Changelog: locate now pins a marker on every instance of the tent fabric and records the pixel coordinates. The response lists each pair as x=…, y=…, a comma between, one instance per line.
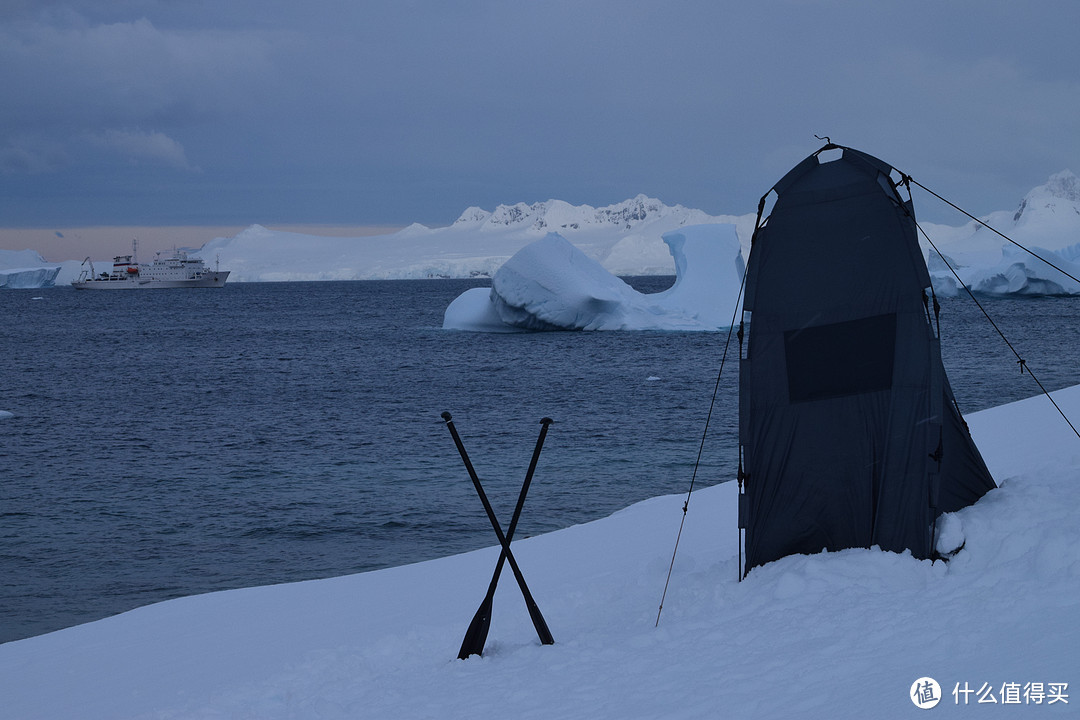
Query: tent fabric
x=848, y=430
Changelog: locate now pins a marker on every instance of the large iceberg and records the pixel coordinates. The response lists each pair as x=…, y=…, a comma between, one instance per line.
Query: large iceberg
x=1019, y=272
x=26, y=269
x=1047, y=222
x=624, y=238
x=552, y=285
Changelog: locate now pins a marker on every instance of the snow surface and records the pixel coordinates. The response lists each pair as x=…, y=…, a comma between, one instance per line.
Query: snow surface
x=551, y=285
x=832, y=635
x=625, y=239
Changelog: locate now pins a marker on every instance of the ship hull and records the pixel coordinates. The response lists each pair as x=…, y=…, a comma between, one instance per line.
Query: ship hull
x=209, y=280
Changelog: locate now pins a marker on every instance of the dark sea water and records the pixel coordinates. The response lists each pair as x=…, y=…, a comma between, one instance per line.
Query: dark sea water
x=170, y=443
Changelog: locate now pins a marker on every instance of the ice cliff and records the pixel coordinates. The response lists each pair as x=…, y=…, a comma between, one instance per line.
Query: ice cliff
x=26, y=269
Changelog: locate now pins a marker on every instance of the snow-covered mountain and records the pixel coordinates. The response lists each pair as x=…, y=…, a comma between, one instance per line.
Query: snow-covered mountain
x=1059, y=197
x=625, y=238
x=562, y=217
x=1047, y=222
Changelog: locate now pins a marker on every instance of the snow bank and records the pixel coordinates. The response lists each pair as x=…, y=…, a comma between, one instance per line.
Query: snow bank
x=838, y=635
x=551, y=285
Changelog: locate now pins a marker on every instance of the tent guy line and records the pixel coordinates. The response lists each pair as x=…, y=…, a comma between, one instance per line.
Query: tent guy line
x=983, y=223
x=701, y=447
x=1019, y=358
x=908, y=181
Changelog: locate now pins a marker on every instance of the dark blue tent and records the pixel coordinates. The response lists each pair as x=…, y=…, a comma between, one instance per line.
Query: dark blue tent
x=849, y=434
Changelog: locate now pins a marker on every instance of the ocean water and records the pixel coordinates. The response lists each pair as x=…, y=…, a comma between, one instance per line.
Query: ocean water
x=164, y=444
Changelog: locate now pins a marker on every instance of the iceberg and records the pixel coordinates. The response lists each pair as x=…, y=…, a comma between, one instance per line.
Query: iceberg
x=552, y=285
x=1047, y=222
x=26, y=269
x=34, y=277
x=624, y=238
x=1019, y=272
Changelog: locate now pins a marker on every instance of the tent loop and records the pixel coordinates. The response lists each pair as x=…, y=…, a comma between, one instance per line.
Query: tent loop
x=937, y=312
x=760, y=223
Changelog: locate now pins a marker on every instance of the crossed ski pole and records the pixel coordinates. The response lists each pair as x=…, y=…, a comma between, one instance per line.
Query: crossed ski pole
x=476, y=635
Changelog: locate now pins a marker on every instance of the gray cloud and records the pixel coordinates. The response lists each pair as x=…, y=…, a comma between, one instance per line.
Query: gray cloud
x=338, y=111
x=143, y=147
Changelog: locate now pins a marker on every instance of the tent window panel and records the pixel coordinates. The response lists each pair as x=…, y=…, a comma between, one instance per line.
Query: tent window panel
x=841, y=359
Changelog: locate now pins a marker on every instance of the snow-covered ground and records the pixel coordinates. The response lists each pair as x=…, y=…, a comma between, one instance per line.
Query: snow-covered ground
x=836, y=635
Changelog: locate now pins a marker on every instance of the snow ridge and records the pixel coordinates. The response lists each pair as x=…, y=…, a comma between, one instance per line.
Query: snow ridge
x=542, y=217
x=1061, y=191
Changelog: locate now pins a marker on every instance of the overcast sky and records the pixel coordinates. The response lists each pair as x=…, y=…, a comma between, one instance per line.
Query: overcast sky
x=205, y=112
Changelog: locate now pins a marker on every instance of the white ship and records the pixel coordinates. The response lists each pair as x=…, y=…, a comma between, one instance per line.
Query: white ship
x=175, y=271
